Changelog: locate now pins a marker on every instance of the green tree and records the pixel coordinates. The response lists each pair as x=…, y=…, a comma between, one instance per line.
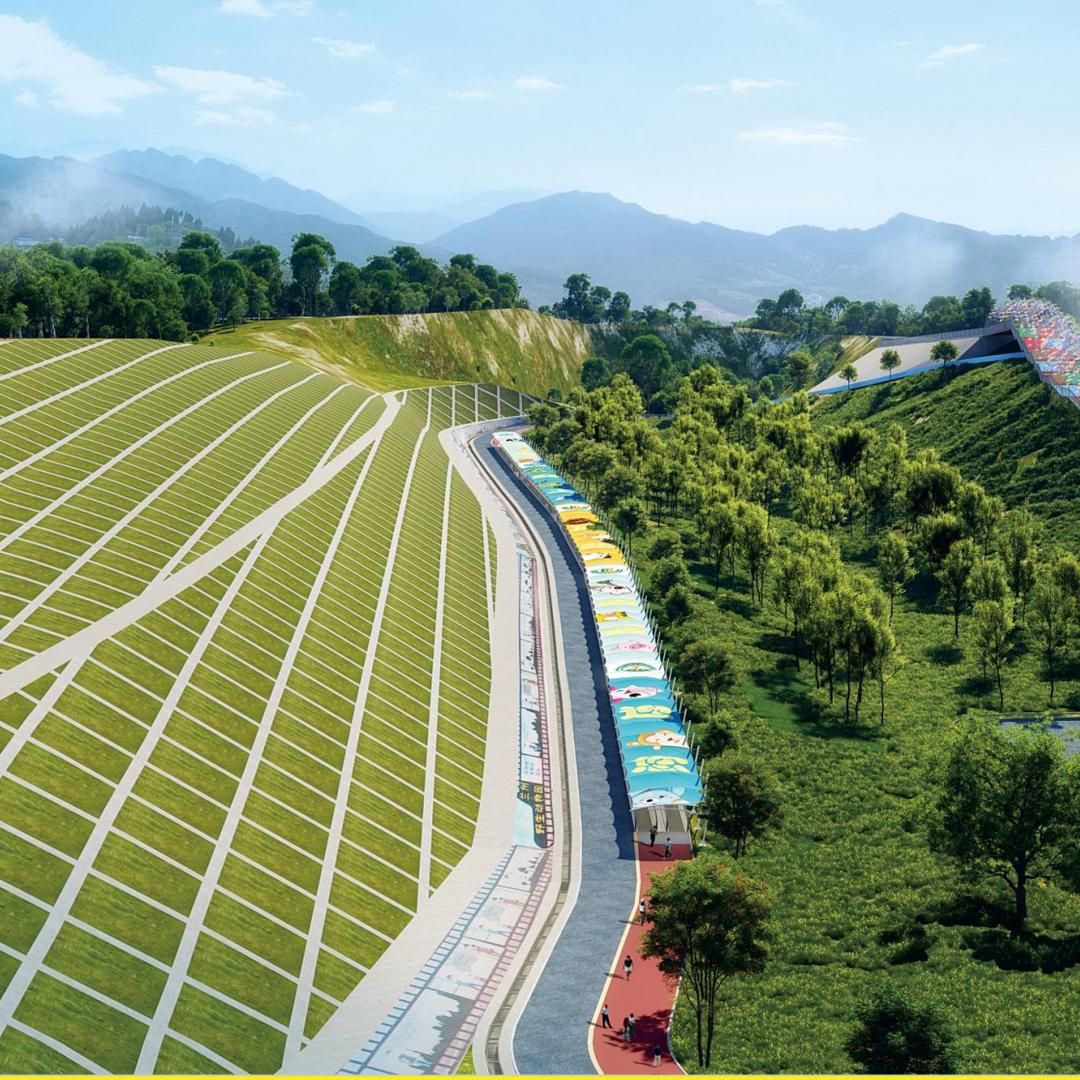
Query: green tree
x=890, y=361
x=988, y=581
x=629, y=518
x=595, y=373
x=708, y=668
x=937, y=534
x=955, y=577
x=893, y=1036
x=647, y=361
x=756, y=545
x=742, y=802
x=310, y=263
x=943, y=353
x=798, y=366
x=706, y=925
x=1005, y=803
x=849, y=374
x=895, y=566
x=1019, y=547
x=991, y=633
x=1050, y=617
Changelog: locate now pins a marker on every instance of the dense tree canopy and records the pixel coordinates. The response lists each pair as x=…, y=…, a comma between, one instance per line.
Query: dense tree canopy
x=127, y=290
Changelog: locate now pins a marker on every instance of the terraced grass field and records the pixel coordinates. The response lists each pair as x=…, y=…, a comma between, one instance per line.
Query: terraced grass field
x=244, y=682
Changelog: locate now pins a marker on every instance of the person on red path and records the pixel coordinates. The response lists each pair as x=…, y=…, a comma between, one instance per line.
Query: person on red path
x=626, y=1030
x=652, y=837
x=605, y=1017
x=633, y=1025
x=667, y=848
x=641, y=910
x=628, y=967
x=657, y=1055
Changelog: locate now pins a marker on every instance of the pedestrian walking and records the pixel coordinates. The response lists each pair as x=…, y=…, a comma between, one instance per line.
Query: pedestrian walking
x=605, y=1017
x=627, y=967
x=626, y=1030
x=657, y=1056
x=633, y=1025
x=641, y=910
x=667, y=848
x=652, y=837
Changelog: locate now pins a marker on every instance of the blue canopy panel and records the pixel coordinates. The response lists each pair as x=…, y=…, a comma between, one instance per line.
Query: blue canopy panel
x=658, y=765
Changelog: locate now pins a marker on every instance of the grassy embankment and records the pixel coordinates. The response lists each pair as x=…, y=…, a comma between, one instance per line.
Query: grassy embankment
x=515, y=348
x=858, y=898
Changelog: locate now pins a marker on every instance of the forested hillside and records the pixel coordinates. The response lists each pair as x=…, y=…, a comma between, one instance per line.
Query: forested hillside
x=998, y=424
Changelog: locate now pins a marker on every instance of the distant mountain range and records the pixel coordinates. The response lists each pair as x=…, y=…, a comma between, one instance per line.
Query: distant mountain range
x=656, y=259
x=214, y=180
x=64, y=192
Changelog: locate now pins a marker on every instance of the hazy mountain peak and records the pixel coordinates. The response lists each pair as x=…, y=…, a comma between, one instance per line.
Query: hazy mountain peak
x=212, y=179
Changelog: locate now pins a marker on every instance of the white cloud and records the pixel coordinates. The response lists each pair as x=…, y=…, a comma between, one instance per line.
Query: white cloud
x=241, y=116
x=536, y=83
x=381, y=106
x=472, y=94
x=344, y=49
x=27, y=98
x=73, y=80
x=223, y=87
x=744, y=86
x=949, y=52
x=244, y=7
x=262, y=9
x=734, y=86
x=827, y=134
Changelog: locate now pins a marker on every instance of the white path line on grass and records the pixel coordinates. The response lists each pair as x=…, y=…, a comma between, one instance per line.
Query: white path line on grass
x=334, y=837
x=72, y=491
x=242, y=485
x=433, y=711
x=211, y=875
x=73, y=568
x=54, y=1044
x=90, y=424
x=37, y=952
x=53, y=359
x=81, y=643
x=67, y=392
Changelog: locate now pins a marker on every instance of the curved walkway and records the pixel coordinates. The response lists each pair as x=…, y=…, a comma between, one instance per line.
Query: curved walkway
x=648, y=994
x=553, y=1032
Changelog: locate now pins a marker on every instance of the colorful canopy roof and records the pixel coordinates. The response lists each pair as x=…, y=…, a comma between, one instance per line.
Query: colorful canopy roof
x=1050, y=339
x=657, y=762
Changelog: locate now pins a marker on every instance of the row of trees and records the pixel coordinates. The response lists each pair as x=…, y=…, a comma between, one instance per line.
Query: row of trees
x=126, y=290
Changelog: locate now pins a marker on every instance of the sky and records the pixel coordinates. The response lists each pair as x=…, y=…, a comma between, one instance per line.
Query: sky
x=754, y=114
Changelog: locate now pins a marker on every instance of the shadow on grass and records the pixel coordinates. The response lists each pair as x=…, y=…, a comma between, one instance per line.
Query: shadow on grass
x=781, y=697
x=946, y=654
x=1028, y=951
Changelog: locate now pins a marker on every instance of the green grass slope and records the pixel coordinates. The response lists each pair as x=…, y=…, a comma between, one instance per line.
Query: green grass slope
x=512, y=348
x=212, y=813
x=998, y=424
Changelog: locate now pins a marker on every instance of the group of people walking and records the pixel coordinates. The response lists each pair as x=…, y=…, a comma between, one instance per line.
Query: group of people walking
x=629, y=1027
x=629, y=1024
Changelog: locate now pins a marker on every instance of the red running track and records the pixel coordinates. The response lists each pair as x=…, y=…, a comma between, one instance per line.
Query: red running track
x=649, y=994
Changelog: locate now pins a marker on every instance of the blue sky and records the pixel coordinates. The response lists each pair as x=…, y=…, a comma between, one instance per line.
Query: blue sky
x=751, y=113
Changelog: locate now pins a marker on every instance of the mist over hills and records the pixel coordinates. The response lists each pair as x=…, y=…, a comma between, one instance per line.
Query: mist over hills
x=215, y=180
x=658, y=259
x=653, y=257
x=63, y=192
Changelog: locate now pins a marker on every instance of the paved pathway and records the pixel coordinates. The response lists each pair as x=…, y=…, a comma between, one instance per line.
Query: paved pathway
x=552, y=1032
x=649, y=995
